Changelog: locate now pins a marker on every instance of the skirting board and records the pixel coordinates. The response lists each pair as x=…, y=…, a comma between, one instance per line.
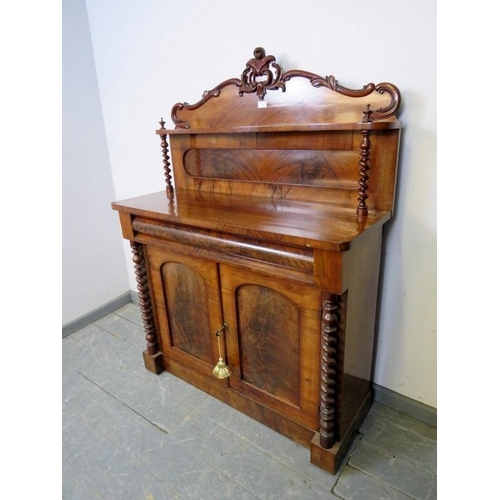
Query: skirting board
x=96, y=314
x=382, y=395
x=410, y=407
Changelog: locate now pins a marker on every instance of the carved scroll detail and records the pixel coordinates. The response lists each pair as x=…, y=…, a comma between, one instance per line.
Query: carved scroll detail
x=393, y=106
x=144, y=297
x=364, y=167
x=329, y=82
x=329, y=410
x=265, y=67
x=263, y=73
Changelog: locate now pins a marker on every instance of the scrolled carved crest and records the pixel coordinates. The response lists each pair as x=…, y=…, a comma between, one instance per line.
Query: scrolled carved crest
x=263, y=73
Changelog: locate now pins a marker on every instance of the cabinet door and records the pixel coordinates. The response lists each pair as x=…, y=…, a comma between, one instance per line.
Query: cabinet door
x=187, y=303
x=273, y=341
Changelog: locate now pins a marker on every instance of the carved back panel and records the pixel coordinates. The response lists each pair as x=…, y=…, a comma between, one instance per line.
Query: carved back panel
x=288, y=135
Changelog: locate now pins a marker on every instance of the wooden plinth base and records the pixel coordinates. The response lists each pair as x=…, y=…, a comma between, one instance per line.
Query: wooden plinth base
x=330, y=460
x=153, y=362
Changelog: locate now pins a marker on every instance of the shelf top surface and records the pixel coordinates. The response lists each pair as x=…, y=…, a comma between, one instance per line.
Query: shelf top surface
x=307, y=224
x=284, y=127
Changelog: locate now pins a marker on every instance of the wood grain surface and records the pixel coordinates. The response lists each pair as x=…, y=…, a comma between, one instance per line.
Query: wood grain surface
x=187, y=310
x=268, y=330
x=306, y=224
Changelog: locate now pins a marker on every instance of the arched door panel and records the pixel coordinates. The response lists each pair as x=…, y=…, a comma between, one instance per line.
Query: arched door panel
x=273, y=341
x=187, y=300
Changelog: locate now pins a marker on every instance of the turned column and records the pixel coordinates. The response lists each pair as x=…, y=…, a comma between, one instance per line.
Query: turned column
x=152, y=356
x=364, y=165
x=331, y=372
x=166, y=160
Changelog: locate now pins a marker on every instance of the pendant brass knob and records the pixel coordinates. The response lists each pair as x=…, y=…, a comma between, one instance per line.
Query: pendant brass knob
x=221, y=370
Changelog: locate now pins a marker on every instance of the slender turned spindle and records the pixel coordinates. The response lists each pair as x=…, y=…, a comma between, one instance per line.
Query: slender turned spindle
x=364, y=165
x=166, y=162
x=144, y=297
x=330, y=388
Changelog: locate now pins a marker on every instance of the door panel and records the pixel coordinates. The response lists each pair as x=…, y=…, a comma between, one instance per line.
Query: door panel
x=187, y=312
x=264, y=318
x=273, y=341
x=187, y=301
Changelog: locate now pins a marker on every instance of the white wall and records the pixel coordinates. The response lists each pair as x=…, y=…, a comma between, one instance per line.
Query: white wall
x=152, y=54
x=94, y=271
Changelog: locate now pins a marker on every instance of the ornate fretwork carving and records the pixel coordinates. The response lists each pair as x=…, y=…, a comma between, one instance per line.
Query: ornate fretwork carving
x=331, y=369
x=263, y=73
x=144, y=297
x=364, y=167
x=166, y=160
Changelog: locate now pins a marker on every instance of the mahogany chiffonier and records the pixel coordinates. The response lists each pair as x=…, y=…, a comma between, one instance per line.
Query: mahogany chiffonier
x=258, y=265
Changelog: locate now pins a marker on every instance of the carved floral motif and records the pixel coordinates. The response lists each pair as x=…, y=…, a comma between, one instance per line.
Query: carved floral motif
x=261, y=74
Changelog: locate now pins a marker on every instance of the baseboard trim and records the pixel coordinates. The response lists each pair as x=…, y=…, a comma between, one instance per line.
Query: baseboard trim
x=134, y=296
x=96, y=314
x=411, y=407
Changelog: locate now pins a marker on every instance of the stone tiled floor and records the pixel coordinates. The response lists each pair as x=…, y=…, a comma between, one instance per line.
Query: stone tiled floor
x=129, y=434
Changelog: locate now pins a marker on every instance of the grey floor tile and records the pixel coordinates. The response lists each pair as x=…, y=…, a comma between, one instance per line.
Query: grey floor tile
x=132, y=312
x=128, y=429
x=198, y=479
x=189, y=475
x=355, y=485
x=266, y=478
x=138, y=394
x=75, y=486
x=433, y=493
x=267, y=441
x=73, y=354
x=401, y=420
x=402, y=436
x=109, y=344
x=122, y=328
x=106, y=467
x=400, y=474
x=237, y=459
x=170, y=388
x=74, y=391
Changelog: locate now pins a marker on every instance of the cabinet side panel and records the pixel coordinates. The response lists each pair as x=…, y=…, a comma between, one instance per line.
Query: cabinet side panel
x=360, y=271
x=185, y=294
x=268, y=324
x=383, y=172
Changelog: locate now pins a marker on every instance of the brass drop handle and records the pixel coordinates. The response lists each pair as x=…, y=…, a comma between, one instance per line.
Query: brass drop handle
x=220, y=330
x=221, y=370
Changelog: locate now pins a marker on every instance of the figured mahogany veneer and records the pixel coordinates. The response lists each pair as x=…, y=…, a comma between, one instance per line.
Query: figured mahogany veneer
x=278, y=185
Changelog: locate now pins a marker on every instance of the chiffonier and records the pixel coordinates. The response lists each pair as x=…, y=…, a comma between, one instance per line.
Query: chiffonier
x=258, y=265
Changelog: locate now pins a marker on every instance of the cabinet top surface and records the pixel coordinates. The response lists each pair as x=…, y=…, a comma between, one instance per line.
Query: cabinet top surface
x=302, y=223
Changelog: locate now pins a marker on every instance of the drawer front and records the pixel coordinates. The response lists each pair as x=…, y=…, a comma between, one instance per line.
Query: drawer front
x=298, y=260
